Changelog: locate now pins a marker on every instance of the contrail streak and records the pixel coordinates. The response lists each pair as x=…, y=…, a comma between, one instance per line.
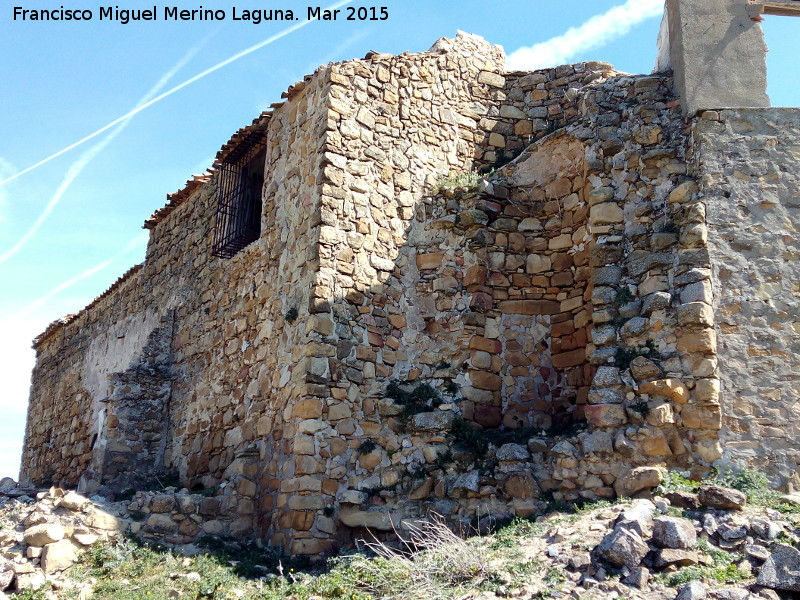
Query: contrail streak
x=177, y=88
x=138, y=239
x=87, y=157
x=594, y=33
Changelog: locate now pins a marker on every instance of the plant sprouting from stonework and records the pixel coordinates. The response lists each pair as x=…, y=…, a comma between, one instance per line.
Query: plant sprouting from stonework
x=466, y=180
x=421, y=398
x=367, y=446
x=624, y=355
x=291, y=315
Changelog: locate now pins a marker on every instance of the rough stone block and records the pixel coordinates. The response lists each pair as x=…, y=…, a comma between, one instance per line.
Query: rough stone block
x=668, y=388
x=529, y=307
x=608, y=213
x=695, y=314
x=573, y=358
x=701, y=417
x=486, y=345
x=484, y=380
x=637, y=479
x=704, y=342
x=605, y=415
x=46, y=533
x=58, y=556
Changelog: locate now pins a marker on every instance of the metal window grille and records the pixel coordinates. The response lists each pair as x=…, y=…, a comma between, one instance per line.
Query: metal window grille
x=241, y=177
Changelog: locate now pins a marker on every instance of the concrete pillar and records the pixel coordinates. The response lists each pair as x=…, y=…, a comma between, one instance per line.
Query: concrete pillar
x=717, y=52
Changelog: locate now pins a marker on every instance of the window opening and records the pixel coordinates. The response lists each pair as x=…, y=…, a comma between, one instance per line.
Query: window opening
x=781, y=33
x=241, y=177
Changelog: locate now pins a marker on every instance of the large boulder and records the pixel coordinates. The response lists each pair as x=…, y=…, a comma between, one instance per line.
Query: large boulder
x=716, y=496
x=673, y=532
x=638, y=517
x=100, y=519
x=694, y=590
x=635, y=480
x=622, y=548
x=58, y=556
x=73, y=501
x=45, y=533
x=781, y=571
x=30, y=581
x=6, y=574
x=667, y=557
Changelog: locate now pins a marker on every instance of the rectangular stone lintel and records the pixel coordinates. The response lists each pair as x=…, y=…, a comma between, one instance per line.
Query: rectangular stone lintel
x=529, y=307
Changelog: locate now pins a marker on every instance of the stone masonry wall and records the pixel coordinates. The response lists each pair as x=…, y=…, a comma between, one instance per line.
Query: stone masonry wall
x=236, y=360
x=747, y=164
x=398, y=343
x=489, y=302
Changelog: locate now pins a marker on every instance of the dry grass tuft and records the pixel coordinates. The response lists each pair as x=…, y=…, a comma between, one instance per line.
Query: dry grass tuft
x=432, y=562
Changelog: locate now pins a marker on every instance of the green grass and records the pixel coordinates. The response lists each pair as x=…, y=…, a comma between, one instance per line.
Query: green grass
x=128, y=570
x=722, y=571
x=750, y=481
x=757, y=488
x=466, y=179
x=677, y=482
x=509, y=535
x=722, y=575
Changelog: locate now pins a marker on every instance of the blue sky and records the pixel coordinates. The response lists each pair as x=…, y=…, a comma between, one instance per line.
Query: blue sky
x=70, y=227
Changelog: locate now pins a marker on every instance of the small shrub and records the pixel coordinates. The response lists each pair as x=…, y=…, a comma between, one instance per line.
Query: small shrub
x=669, y=227
x=468, y=438
x=624, y=355
x=442, y=459
x=722, y=571
x=757, y=488
x=508, y=536
x=291, y=315
x=366, y=447
x=503, y=157
x=420, y=399
x=452, y=388
x=555, y=575
x=677, y=482
x=641, y=407
x=588, y=506
x=623, y=296
x=674, y=511
x=433, y=562
x=424, y=393
x=467, y=179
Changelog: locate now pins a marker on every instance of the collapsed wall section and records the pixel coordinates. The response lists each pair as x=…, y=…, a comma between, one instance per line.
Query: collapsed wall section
x=746, y=161
x=474, y=310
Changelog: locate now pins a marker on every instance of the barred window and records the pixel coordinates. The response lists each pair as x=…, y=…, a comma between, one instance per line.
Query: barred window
x=241, y=177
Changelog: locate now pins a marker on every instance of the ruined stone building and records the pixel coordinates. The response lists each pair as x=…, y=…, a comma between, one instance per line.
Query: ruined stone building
x=338, y=327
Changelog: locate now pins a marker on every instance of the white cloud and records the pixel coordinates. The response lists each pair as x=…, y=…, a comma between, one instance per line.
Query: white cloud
x=594, y=33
